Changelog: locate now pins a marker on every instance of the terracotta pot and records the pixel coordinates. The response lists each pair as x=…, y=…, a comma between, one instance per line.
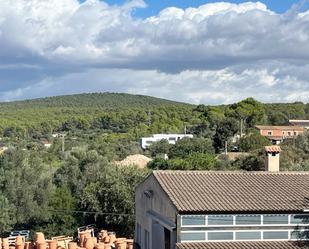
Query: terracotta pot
x=11, y=247
x=89, y=243
x=103, y=234
x=95, y=241
x=112, y=237
x=41, y=245
x=99, y=246
x=5, y=243
x=81, y=236
x=121, y=244
x=19, y=240
x=72, y=245
x=39, y=238
x=52, y=244
x=130, y=243
x=28, y=245
x=107, y=246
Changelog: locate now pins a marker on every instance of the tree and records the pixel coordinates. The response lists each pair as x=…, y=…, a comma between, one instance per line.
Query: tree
x=186, y=146
x=253, y=141
x=225, y=130
x=7, y=211
x=160, y=147
x=248, y=111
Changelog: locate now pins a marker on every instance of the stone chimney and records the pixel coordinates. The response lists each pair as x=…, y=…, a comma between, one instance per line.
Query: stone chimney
x=272, y=158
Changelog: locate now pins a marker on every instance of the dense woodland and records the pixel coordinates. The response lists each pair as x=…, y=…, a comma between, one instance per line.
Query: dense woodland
x=75, y=182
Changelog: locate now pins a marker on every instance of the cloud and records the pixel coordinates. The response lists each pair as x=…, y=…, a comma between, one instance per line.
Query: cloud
x=216, y=53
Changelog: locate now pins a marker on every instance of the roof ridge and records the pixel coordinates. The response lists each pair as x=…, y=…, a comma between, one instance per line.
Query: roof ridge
x=156, y=172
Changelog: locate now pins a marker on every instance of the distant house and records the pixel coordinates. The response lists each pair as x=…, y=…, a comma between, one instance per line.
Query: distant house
x=228, y=210
x=279, y=133
x=300, y=123
x=171, y=138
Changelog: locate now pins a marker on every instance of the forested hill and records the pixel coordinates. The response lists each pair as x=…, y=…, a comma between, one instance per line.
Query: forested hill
x=117, y=112
x=105, y=101
x=136, y=115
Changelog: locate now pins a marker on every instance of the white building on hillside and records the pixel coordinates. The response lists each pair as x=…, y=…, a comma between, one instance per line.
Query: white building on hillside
x=171, y=138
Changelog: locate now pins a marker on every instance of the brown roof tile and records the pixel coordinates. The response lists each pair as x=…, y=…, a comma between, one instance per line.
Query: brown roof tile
x=244, y=245
x=226, y=192
x=271, y=127
x=273, y=148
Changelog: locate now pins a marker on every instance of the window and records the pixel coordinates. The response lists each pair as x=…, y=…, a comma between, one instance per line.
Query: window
x=248, y=235
x=300, y=235
x=299, y=219
x=273, y=235
x=289, y=133
x=269, y=133
x=248, y=220
x=217, y=220
x=193, y=220
x=295, y=133
x=193, y=236
x=220, y=235
x=275, y=219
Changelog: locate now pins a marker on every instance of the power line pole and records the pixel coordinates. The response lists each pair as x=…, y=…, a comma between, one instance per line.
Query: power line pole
x=62, y=145
x=149, y=118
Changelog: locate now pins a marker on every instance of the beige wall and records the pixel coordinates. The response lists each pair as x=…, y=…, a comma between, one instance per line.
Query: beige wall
x=273, y=162
x=159, y=203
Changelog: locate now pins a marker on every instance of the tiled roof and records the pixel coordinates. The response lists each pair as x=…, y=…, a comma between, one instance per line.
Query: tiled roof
x=244, y=245
x=273, y=148
x=271, y=127
x=225, y=192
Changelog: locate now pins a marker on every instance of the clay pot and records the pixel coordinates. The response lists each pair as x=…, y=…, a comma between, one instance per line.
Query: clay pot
x=19, y=242
x=89, y=243
x=121, y=243
x=39, y=238
x=41, y=245
x=112, y=237
x=99, y=246
x=95, y=241
x=72, y=245
x=107, y=246
x=5, y=243
x=130, y=243
x=81, y=236
x=28, y=245
x=52, y=244
x=11, y=247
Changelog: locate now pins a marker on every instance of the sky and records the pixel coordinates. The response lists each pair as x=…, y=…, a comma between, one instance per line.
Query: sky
x=201, y=52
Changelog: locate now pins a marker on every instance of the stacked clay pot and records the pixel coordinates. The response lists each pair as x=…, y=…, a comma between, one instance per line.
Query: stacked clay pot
x=130, y=243
x=121, y=243
x=5, y=243
x=40, y=241
x=52, y=244
x=19, y=242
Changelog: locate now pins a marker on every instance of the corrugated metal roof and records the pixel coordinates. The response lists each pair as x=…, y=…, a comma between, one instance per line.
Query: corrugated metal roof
x=230, y=192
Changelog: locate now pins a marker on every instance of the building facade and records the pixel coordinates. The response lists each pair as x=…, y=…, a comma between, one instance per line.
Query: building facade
x=300, y=123
x=277, y=134
x=171, y=138
x=203, y=209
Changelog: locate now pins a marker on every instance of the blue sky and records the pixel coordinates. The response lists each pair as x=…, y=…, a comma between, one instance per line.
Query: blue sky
x=154, y=6
x=212, y=53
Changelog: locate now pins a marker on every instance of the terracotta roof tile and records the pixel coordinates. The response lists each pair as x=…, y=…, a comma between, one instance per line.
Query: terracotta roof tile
x=225, y=192
x=244, y=245
x=273, y=148
x=270, y=127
